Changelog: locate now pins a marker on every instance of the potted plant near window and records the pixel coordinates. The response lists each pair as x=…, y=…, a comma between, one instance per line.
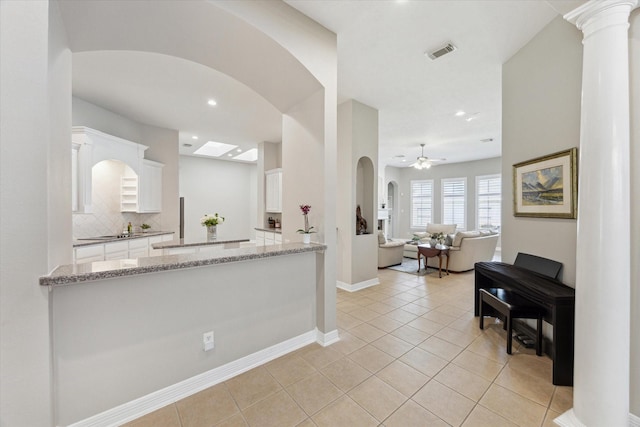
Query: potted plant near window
x=306, y=232
x=145, y=227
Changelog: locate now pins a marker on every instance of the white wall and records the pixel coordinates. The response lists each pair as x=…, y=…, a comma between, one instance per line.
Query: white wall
x=358, y=175
x=35, y=106
x=228, y=188
x=468, y=170
x=123, y=338
x=541, y=89
x=163, y=148
x=634, y=75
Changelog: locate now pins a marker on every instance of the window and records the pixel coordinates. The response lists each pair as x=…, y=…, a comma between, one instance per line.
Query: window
x=489, y=203
x=421, y=203
x=454, y=202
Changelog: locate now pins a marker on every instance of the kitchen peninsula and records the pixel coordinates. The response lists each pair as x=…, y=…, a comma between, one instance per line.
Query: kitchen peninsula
x=259, y=301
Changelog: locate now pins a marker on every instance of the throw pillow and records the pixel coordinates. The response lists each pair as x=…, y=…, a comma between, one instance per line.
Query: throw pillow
x=449, y=239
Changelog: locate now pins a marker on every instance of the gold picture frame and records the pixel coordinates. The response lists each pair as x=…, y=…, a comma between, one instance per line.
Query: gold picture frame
x=547, y=187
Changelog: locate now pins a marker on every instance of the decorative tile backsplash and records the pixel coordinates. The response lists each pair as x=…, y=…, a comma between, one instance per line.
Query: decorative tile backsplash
x=106, y=218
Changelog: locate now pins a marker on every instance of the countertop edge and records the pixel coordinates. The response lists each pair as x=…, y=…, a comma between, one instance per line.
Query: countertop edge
x=174, y=244
x=175, y=262
x=269, y=230
x=80, y=243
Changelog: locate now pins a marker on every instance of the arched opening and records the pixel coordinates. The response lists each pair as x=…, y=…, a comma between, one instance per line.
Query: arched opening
x=393, y=208
x=365, y=191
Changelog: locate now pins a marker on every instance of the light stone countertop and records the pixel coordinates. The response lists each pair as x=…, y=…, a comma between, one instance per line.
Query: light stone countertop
x=180, y=243
x=78, y=243
x=270, y=230
x=233, y=252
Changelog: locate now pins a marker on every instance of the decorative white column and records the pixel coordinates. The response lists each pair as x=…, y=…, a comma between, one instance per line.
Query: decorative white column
x=603, y=266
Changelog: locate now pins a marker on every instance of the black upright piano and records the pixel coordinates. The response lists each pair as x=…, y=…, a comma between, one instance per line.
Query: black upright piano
x=556, y=298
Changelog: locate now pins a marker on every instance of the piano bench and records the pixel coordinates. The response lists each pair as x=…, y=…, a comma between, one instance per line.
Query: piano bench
x=511, y=306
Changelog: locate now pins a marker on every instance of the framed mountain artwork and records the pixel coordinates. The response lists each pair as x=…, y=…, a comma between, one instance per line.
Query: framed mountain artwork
x=547, y=187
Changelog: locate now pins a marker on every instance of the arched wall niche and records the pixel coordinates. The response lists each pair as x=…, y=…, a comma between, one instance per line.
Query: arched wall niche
x=365, y=191
x=393, y=207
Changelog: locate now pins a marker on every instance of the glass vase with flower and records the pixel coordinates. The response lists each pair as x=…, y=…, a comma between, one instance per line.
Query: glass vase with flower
x=211, y=222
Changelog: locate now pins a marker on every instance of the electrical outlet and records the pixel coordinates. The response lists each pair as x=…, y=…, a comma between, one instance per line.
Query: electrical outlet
x=207, y=341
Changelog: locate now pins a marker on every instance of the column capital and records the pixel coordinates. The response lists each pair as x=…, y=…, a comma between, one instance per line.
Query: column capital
x=595, y=15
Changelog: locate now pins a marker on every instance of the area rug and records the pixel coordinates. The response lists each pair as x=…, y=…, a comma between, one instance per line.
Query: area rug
x=410, y=265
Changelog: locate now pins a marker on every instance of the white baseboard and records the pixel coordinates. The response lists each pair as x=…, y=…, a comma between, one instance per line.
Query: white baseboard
x=328, y=338
x=569, y=419
x=146, y=404
x=357, y=286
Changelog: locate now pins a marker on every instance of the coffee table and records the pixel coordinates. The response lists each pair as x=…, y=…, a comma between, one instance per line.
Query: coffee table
x=427, y=251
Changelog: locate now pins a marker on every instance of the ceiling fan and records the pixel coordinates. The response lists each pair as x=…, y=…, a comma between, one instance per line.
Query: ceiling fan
x=425, y=162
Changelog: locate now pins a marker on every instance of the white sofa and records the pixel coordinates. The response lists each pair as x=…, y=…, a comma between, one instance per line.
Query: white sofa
x=466, y=248
x=390, y=252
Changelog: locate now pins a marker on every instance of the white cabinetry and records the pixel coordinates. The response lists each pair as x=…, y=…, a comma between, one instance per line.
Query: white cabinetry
x=88, y=254
x=129, y=194
x=158, y=239
x=90, y=147
x=142, y=193
x=264, y=238
x=123, y=249
x=273, y=191
x=138, y=248
x=150, y=188
x=116, y=250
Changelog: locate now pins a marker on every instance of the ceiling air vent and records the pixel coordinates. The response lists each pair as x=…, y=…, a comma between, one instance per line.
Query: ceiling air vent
x=448, y=48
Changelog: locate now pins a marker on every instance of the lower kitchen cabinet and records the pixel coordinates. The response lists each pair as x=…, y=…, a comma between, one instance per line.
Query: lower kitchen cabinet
x=123, y=249
x=116, y=250
x=264, y=237
x=88, y=254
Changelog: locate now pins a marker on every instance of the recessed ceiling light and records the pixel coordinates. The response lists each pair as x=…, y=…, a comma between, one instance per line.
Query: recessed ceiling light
x=212, y=102
x=214, y=149
x=248, y=156
x=469, y=118
x=230, y=155
x=460, y=113
x=404, y=160
x=239, y=150
x=194, y=137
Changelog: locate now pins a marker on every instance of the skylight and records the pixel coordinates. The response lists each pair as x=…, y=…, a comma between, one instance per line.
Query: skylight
x=214, y=149
x=248, y=156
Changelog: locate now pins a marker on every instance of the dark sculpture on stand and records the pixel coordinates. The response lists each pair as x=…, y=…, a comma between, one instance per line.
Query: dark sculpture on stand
x=361, y=223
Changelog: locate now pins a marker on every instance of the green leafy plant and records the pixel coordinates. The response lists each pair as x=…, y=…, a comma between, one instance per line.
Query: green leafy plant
x=145, y=226
x=208, y=220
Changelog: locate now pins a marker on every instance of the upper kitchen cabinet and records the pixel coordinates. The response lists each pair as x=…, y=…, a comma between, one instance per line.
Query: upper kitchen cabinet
x=140, y=189
x=273, y=191
x=150, y=191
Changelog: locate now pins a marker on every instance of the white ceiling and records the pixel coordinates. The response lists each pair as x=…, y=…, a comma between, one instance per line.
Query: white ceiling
x=170, y=92
x=381, y=63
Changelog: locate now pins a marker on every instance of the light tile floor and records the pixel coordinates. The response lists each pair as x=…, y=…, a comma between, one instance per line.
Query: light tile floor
x=410, y=354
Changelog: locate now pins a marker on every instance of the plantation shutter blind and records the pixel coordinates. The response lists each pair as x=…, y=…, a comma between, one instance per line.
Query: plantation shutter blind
x=454, y=202
x=421, y=203
x=489, y=204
